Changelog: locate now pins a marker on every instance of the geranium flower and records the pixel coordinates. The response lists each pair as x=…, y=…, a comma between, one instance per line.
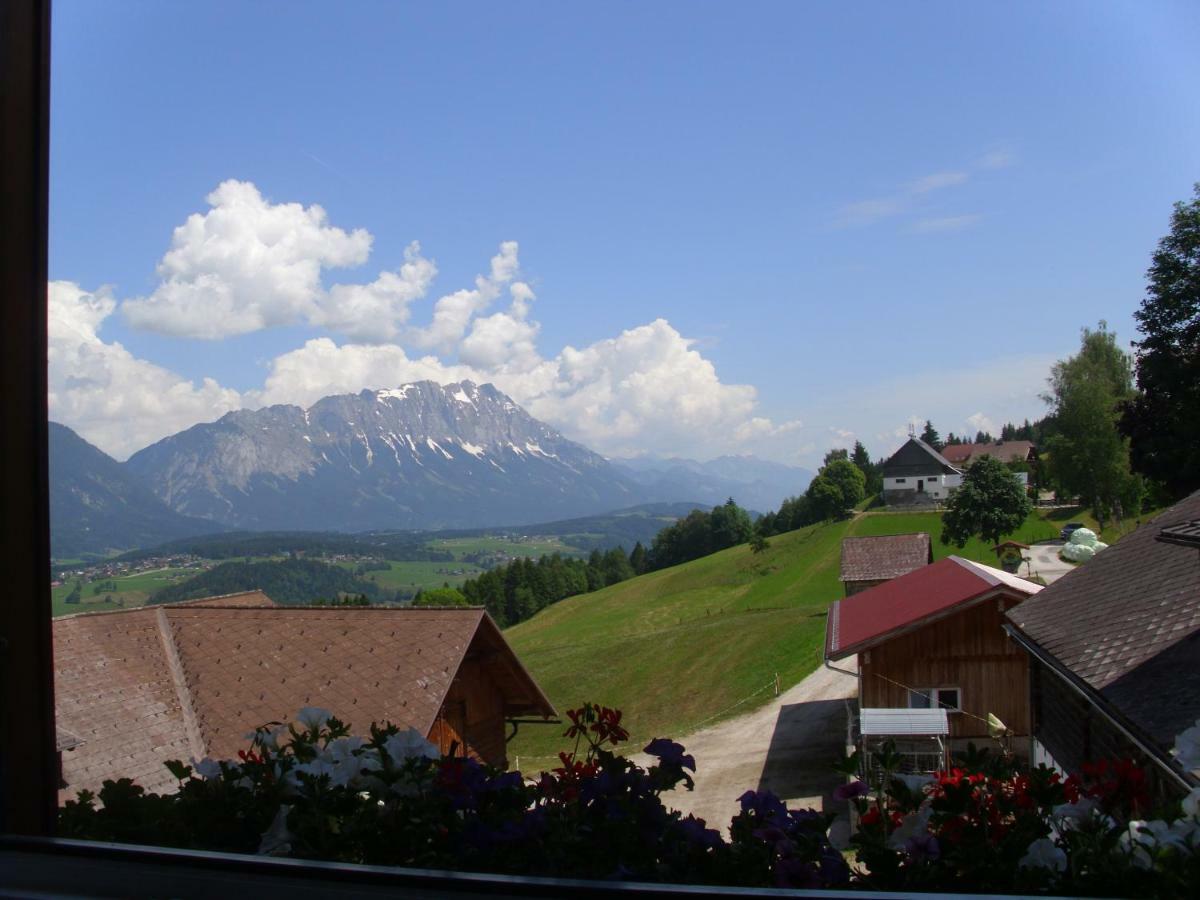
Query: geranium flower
x=1044, y=854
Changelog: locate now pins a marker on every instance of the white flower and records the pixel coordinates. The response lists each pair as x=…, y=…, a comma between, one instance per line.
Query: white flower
x=313, y=717
x=1191, y=804
x=407, y=744
x=914, y=824
x=1075, y=813
x=1140, y=838
x=207, y=768
x=277, y=840
x=1187, y=748
x=1044, y=854
x=344, y=748
x=267, y=738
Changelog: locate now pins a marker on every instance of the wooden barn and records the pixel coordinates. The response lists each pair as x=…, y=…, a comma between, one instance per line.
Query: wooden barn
x=933, y=638
x=138, y=687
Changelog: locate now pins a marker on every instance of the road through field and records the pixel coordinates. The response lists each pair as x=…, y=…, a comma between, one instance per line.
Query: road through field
x=786, y=747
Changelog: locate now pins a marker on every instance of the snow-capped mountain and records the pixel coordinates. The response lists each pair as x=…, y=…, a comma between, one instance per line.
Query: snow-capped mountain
x=419, y=456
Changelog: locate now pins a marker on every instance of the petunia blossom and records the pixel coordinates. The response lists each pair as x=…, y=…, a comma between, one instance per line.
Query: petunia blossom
x=1044, y=854
x=312, y=717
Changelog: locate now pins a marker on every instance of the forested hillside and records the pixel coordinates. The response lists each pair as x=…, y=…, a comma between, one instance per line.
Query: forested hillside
x=293, y=581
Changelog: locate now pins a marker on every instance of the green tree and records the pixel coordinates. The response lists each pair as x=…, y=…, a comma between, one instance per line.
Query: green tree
x=759, y=543
x=729, y=525
x=1163, y=421
x=825, y=498
x=872, y=473
x=1089, y=457
x=931, y=437
x=443, y=596
x=990, y=503
x=849, y=479
x=834, y=455
x=637, y=558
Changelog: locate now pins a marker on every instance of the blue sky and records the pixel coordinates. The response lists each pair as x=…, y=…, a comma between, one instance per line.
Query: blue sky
x=761, y=227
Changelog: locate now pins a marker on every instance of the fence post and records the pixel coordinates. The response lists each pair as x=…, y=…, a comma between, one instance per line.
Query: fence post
x=776, y=684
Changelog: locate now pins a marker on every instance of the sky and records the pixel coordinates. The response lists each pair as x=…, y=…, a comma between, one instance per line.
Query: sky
x=675, y=229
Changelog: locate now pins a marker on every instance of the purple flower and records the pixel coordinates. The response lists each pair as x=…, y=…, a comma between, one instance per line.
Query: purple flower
x=763, y=804
x=922, y=848
x=671, y=753
x=695, y=832
x=850, y=790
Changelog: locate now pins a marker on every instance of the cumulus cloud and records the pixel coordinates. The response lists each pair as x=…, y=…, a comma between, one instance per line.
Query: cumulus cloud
x=118, y=402
x=452, y=314
x=979, y=422
x=248, y=263
x=244, y=265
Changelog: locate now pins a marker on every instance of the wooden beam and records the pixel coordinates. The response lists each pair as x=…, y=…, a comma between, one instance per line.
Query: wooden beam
x=28, y=764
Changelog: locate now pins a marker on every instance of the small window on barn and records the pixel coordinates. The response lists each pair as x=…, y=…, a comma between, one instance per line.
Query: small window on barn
x=901, y=480
x=919, y=698
x=948, y=698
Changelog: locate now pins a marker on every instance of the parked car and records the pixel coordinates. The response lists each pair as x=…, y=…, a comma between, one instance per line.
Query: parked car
x=1069, y=529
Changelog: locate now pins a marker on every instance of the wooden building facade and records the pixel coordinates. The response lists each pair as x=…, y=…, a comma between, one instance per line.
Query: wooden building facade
x=935, y=638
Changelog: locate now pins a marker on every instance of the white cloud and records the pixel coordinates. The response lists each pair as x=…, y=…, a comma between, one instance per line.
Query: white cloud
x=979, y=422
x=997, y=159
x=757, y=428
x=373, y=312
x=244, y=265
x=944, y=223
x=114, y=400
x=937, y=181
x=452, y=314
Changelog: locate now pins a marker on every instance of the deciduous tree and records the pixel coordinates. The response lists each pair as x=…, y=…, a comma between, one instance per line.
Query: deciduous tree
x=990, y=504
x=1089, y=457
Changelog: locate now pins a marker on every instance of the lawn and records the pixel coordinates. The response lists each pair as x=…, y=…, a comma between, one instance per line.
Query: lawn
x=698, y=642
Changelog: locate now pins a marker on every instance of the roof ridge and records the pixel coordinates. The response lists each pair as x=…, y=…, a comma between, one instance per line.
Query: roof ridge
x=179, y=680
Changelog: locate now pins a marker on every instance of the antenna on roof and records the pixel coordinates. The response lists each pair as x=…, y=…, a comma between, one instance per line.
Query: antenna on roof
x=912, y=430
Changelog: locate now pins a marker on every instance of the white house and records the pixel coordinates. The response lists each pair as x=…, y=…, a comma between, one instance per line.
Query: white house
x=916, y=473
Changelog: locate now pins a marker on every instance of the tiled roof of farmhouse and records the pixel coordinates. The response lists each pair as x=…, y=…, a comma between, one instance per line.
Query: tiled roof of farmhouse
x=886, y=556
x=924, y=595
x=1127, y=623
x=1005, y=451
x=139, y=687
x=255, y=597
x=915, y=457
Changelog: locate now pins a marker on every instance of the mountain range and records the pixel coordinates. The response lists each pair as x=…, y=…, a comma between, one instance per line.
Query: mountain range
x=422, y=456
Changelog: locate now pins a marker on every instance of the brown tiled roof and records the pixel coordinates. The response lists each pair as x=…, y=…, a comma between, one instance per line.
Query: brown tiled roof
x=170, y=682
x=887, y=556
x=1127, y=623
x=242, y=598
x=1001, y=450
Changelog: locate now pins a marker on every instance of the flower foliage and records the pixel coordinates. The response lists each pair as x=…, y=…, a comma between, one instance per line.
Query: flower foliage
x=987, y=825
x=310, y=789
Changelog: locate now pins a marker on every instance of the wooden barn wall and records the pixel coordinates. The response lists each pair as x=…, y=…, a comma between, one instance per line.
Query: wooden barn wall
x=969, y=651
x=1073, y=732
x=472, y=715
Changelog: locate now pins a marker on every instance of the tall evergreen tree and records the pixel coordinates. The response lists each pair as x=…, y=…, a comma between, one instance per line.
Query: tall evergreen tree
x=930, y=436
x=1163, y=421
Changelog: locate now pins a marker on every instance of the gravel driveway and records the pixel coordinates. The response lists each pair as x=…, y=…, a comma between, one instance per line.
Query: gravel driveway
x=1044, y=561
x=786, y=747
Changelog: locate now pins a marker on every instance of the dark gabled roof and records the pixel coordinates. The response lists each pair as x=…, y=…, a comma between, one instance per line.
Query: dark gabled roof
x=887, y=556
x=929, y=593
x=139, y=687
x=1005, y=451
x=917, y=458
x=1127, y=624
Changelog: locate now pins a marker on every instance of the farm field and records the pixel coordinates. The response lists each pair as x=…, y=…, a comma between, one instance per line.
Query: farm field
x=533, y=546
x=688, y=645
x=130, y=590
x=418, y=575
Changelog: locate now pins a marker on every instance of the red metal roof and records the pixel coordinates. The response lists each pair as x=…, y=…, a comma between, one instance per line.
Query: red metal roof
x=868, y=618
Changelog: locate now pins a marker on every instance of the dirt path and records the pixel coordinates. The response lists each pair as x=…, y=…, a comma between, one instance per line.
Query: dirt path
x=786, y=747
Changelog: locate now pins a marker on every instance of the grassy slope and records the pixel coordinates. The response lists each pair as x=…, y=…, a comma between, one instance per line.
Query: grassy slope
x=680, y=646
